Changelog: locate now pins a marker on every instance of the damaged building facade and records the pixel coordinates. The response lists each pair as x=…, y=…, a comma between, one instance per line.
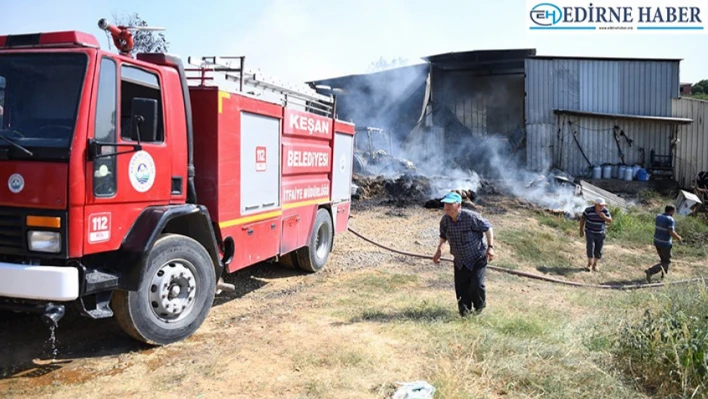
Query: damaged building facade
x=495, y=110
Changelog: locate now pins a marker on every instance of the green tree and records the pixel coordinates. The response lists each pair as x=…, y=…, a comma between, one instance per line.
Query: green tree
x=700, y=87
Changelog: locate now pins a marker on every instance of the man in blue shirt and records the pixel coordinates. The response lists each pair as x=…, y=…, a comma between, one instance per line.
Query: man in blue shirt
x=465, y=230
x=663, y=232
x=592, y=226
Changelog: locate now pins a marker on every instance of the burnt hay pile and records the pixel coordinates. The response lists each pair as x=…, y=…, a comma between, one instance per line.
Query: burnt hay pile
x=413, y=190
x=405, y=190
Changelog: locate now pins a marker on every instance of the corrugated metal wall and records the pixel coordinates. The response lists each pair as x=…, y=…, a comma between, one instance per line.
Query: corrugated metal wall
x=487, y=104
x=692, y=148
x=597, y=139
x=608, y=86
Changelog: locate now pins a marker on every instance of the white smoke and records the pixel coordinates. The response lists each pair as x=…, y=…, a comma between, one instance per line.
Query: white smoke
x=451, y=154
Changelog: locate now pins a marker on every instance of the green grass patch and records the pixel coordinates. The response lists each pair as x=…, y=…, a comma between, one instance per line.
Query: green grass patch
x=634, y=227
x=559, y=222
x=630, y=228
x=504, y=355
x=522, y=327
x=512, y=349
x=694, y=232
x=535, y=246
x=649, y=197
x=666, y=350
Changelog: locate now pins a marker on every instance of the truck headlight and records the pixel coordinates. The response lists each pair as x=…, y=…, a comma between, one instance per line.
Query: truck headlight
x=44, y=241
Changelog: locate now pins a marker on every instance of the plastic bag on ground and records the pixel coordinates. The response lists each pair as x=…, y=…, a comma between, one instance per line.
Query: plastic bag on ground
x=414, y=390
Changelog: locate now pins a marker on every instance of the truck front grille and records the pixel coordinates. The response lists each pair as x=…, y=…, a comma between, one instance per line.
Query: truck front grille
x=10, y=230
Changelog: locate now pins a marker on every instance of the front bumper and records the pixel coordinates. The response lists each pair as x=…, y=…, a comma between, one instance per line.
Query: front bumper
x=49, y=283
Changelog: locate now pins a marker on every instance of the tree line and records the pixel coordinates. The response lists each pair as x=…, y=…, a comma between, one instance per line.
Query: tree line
x=700, y=90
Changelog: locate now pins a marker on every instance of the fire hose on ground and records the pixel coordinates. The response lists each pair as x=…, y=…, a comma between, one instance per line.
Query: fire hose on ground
x=531, y=275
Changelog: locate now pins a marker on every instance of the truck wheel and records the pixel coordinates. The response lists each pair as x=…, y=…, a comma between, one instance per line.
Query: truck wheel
x=175, y=296
x=313, y=257
x=289, y=261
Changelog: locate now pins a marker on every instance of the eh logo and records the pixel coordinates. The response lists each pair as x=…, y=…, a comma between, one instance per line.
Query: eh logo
x=546, y=14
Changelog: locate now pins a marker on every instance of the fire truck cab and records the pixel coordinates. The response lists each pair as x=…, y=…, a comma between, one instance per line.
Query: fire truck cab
x=129, y=188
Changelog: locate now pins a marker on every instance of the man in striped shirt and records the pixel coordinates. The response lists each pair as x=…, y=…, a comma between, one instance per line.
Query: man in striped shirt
x=664, y=230
x=592, y=226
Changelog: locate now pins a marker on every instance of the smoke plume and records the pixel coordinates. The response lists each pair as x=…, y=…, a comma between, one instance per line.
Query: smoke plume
x=471, y=131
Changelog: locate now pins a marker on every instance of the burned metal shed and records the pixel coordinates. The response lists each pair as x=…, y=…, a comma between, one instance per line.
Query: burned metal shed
x=529, y=110
x=477, y=97
x=391, y=99
x=438, y=107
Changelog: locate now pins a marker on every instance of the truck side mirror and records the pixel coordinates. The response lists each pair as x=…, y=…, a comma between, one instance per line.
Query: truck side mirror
x=143, y=118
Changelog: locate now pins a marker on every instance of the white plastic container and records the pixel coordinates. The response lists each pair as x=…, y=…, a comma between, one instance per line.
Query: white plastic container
x=620, y=173
x=607, y=172
x=629, y=174
x=597, y=172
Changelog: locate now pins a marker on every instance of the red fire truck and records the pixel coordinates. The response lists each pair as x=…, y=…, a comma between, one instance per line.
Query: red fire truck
x=133, y=187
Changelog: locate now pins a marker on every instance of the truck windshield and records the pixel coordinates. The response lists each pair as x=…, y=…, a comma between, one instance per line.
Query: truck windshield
x=39, y=98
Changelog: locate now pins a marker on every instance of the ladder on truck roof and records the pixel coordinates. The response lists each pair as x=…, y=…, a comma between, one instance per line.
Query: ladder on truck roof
x=250, y=83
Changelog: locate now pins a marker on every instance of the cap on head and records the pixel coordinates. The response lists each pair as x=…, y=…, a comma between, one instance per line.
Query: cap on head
x=452, y=198
x=600, y=201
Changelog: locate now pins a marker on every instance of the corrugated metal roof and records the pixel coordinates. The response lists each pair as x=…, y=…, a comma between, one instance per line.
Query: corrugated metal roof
x=481, y=59
x=480, y=55
x=670, y=120
x=692, y=147
x=573, y=57
x=357, y=79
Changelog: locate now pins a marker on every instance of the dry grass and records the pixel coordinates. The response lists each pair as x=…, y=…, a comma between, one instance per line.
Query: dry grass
x=375, y=319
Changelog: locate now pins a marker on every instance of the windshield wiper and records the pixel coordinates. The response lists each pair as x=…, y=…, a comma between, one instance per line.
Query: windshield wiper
x=8, y=141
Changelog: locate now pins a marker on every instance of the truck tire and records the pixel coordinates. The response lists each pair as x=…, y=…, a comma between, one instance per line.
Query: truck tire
x=175, y=296
x=313, y=257
x=289, y=261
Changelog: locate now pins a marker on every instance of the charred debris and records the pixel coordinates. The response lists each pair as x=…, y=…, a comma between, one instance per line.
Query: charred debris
x=412, y=189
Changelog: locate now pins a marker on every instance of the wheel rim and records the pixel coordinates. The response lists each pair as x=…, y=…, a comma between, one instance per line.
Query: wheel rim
x=322, y=242
x=173, y=290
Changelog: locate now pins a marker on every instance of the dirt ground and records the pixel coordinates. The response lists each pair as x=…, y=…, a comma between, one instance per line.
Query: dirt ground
x=289, y=334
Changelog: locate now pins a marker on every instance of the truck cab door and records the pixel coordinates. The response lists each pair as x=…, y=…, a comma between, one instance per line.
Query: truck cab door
x=122, y=179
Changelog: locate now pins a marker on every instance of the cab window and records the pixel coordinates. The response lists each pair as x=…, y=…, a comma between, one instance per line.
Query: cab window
x=136, y=82
x=104, y=176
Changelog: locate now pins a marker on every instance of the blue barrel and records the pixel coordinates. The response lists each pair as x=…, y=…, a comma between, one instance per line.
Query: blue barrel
x=642, y=175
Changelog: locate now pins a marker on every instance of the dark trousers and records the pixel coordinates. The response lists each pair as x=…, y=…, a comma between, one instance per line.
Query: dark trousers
x=664, y=261
x=470, y=288
x=593, y=244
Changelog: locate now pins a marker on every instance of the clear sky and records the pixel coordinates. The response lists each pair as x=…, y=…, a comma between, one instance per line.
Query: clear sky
x=300, y=40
